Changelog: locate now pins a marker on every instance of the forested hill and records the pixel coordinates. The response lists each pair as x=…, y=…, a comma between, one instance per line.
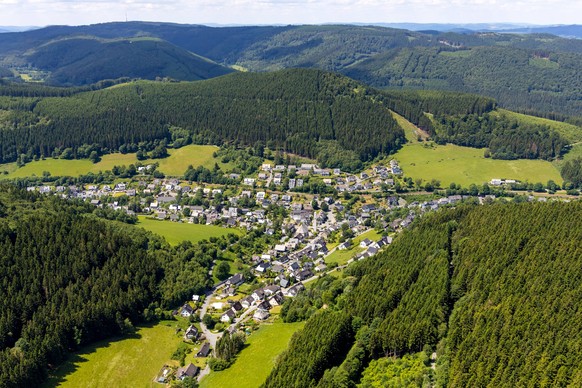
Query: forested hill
x=85, y=60
x=336, y=120
x=68, y=279
x=536, y=72
x=299, y=111
x=493, y=289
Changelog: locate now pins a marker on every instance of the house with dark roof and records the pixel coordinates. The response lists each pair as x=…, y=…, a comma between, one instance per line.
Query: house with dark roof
x=270, y=290
x=204, y=350
x=247, y=302
x=236, y=279
x=187, y=311
x=228, y=316
x=187, y=371
x=303, y=275
x=237, y=306
x=261, y=314
x=258, y=294
x=191, y=333
x=293, y=291
x=276, y=300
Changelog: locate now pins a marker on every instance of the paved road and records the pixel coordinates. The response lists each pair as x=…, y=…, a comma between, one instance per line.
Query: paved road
x=210, y=336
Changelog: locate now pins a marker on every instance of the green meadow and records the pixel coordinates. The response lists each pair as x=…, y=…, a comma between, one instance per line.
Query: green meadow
x=464, y=165
x=174, y=165
x=123, y=362
x=176, y=232
x=342, y=256
x=255, y=361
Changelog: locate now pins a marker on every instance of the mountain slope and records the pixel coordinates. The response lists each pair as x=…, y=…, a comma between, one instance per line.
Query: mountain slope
x=536, y=72
x=494, y=288
x=79, y=61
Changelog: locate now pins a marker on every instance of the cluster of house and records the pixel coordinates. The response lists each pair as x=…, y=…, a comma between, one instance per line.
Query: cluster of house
x=502, y=182
x=260, y=301
x=165, y=193
x=189, y=370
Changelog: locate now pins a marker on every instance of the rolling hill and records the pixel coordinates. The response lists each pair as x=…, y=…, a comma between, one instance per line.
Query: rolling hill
x=526, y=72
x=321, y=115
x=295, y=110
x=86, y=60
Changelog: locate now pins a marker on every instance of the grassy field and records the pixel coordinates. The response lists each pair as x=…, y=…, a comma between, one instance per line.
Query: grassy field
x=464, y=165
x=570, y=132
x=342, y=256
x=410, y=130
x=129, y=362
x=195, y=155
x=256, y=360
x=575, y=152
x=174, y=165
x=176, y=232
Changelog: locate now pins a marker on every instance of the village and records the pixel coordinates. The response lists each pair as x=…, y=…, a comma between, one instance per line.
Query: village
x=320, y=234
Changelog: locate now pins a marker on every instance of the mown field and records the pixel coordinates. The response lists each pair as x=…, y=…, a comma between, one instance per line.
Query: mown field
x=256, y=360
x=125, y=362
x=176, y=232
x=464, y=165
x=174, y=165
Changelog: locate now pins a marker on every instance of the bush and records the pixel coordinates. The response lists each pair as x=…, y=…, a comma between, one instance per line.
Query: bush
x=180, y=353
x=218, y=364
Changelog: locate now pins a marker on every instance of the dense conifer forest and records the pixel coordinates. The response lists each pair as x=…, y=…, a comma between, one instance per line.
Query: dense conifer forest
x=292, y=110
x=321, y=115
x=69, y=278
x=492, y=289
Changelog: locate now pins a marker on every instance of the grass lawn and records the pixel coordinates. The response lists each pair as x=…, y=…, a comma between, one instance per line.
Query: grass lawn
x=56, y=167
x=176, y=232
x=464, y=165
x=342, y=256
x=174, y=165
x=195, y=155
x=255, y=361
x=129, y=362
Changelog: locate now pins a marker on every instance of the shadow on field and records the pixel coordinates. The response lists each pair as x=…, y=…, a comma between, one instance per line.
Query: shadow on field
x=74, y=361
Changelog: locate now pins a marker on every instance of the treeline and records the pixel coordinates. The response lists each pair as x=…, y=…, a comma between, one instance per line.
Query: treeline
x=572, y=172
x=21, y=89
x=322, y=344
x=505, y=138
x=69, y=279
x=291, y=110
x=413, y=104
x=495, y=301
x=470, y=120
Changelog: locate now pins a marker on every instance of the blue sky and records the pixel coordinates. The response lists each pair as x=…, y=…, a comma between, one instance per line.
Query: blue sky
x=76, y=12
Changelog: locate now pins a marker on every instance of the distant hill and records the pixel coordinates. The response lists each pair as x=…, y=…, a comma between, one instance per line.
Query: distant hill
x=79, y=61
x=570, y=31
x=535, y=72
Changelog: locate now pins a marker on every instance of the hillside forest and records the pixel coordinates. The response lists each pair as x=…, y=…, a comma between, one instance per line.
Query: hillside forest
x=495, y=302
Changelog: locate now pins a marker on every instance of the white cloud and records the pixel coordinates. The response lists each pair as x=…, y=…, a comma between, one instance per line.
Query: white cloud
x=43, y=12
